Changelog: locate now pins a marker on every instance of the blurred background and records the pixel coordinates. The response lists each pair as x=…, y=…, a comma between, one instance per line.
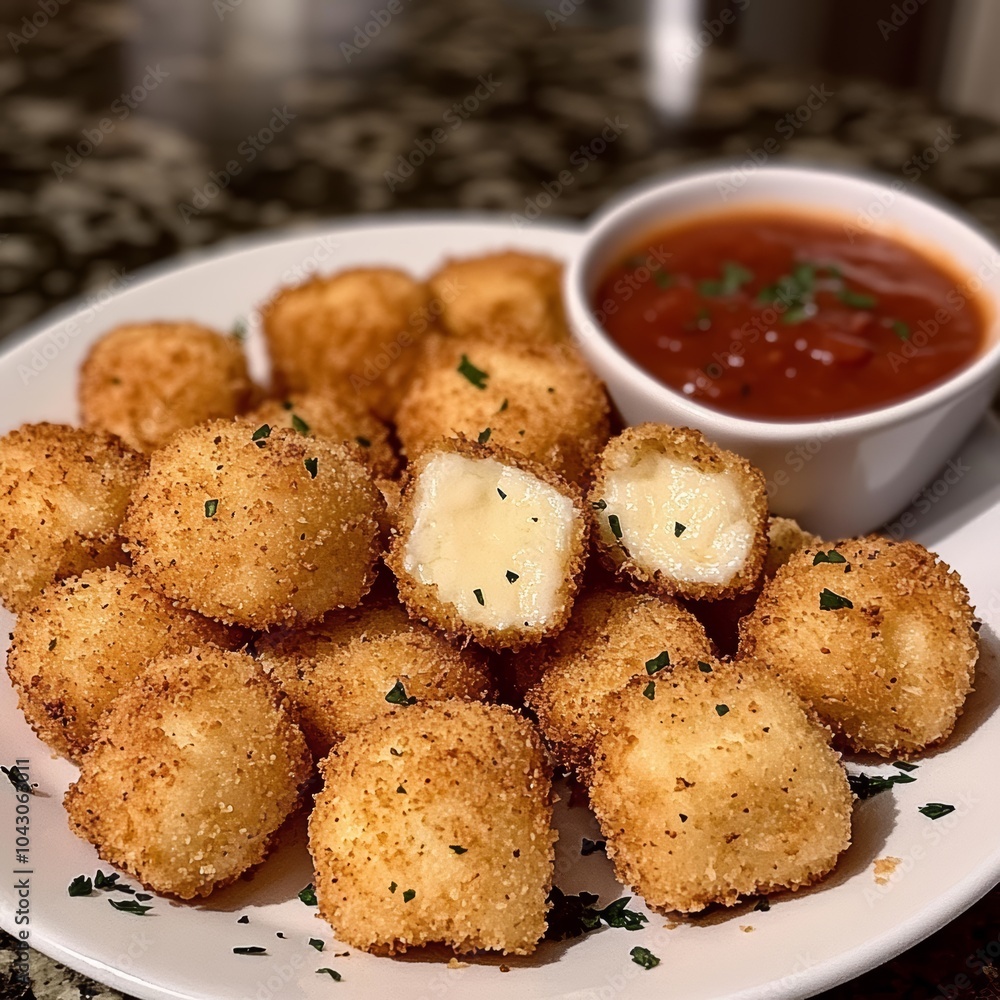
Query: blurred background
x=137, y=130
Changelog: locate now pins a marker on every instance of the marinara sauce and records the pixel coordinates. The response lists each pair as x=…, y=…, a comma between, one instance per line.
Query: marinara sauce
x=787, y=316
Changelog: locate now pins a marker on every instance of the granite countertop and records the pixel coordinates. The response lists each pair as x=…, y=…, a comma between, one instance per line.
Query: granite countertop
x=75, y=222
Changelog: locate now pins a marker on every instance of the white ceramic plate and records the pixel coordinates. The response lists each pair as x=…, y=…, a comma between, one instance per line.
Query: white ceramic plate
x=805, y=943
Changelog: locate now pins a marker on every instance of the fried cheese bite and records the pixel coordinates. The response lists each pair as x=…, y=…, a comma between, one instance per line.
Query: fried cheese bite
x=146, y=381
x=710, y=782
x=489, y=546
x=434, y=825
x=506, y=297
x=877, y=635
x=85, y=639
x=63, y=493
x=540, y=401
x=338, y=418
x=612, y=636
x=355, y=666
x=256, y=527
x=352, y=332
x=196, y=766
x=679, y=514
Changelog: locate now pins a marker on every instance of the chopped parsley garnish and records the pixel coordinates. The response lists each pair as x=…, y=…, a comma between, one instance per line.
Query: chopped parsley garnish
x=705, y=668
x=763, y=904
x=574, y=916
x=658, y=662
x=397, y=695
x=679, y=529
x=484, y=435
x=252, y=949
x=52, y=644
x=312, y=466
x=475, y=375
x=298, y=424
x=316, y=943
x=211, y=507
x=644, y=957
x=400, y=790
x=395, y=752
x=901, y=329
x=615, y=525
x=592, y=846
x=409, y=894
x=102, y=881
x=279, y=935
x=239, y=330
x=393, y=887
x=81, y=886
x=829, y=601
x=793, y=291
x=935, y=810
x=503, y=406
x=649, y=691
x=332, y=973
x=904, y=765
x=662, y=279
x=363, y=441
x=833, y=556
x=261, y=434
x=503, y=496
x=856, y=300
x=479, y=596
x=308, y=895
x=512, y=576
x=734, y=277
x=143, y=896
x=721, y=710
x=243, y=920
x=457, y=848
x=865, y=786
x=130, y=906
x=599, y=504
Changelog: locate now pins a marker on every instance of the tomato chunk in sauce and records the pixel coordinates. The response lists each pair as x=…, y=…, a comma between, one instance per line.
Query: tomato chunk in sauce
x=789, y=317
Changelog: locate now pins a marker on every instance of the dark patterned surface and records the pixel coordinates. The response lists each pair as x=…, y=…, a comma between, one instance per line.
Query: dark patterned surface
x=546, y=90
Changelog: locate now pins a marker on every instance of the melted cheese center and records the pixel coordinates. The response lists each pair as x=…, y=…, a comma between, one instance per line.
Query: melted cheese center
x=690, y=525
x=514, y=549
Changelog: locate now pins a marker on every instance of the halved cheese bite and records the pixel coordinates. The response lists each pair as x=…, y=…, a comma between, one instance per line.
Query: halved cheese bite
x=679, y=513
x=489, y=546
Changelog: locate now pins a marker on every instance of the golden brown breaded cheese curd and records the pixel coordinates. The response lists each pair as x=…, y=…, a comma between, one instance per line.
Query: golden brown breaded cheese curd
x=88, y=636
x=612, y=636
x=435, y=825
x=355, y=666
x=711, y=783
x=63, y=493
x=539, y=401
x=336, y=417
x=505, y=297
x=354, y=332
x=488, y=545
x=196, y=766
x=877, y=635
x=678, y=514
x=145, y=381
x=256, y=527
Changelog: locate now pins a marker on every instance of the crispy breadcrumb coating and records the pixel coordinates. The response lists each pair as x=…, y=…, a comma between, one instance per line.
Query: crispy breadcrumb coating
x=146, y=381
x=506, y=297
x=353, y=332
x=612, y=636
x=891, y=671
x=339, y=672
x=435, y=825
x=712, y=784
x=63, y=493
x=197, y=765
x=489, y=546
x=677, y=513
x=88, y=636
x=541, y=401
x=256, y=528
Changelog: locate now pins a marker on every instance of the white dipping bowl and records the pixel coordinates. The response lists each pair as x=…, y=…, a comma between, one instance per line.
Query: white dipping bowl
x=840, y=476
